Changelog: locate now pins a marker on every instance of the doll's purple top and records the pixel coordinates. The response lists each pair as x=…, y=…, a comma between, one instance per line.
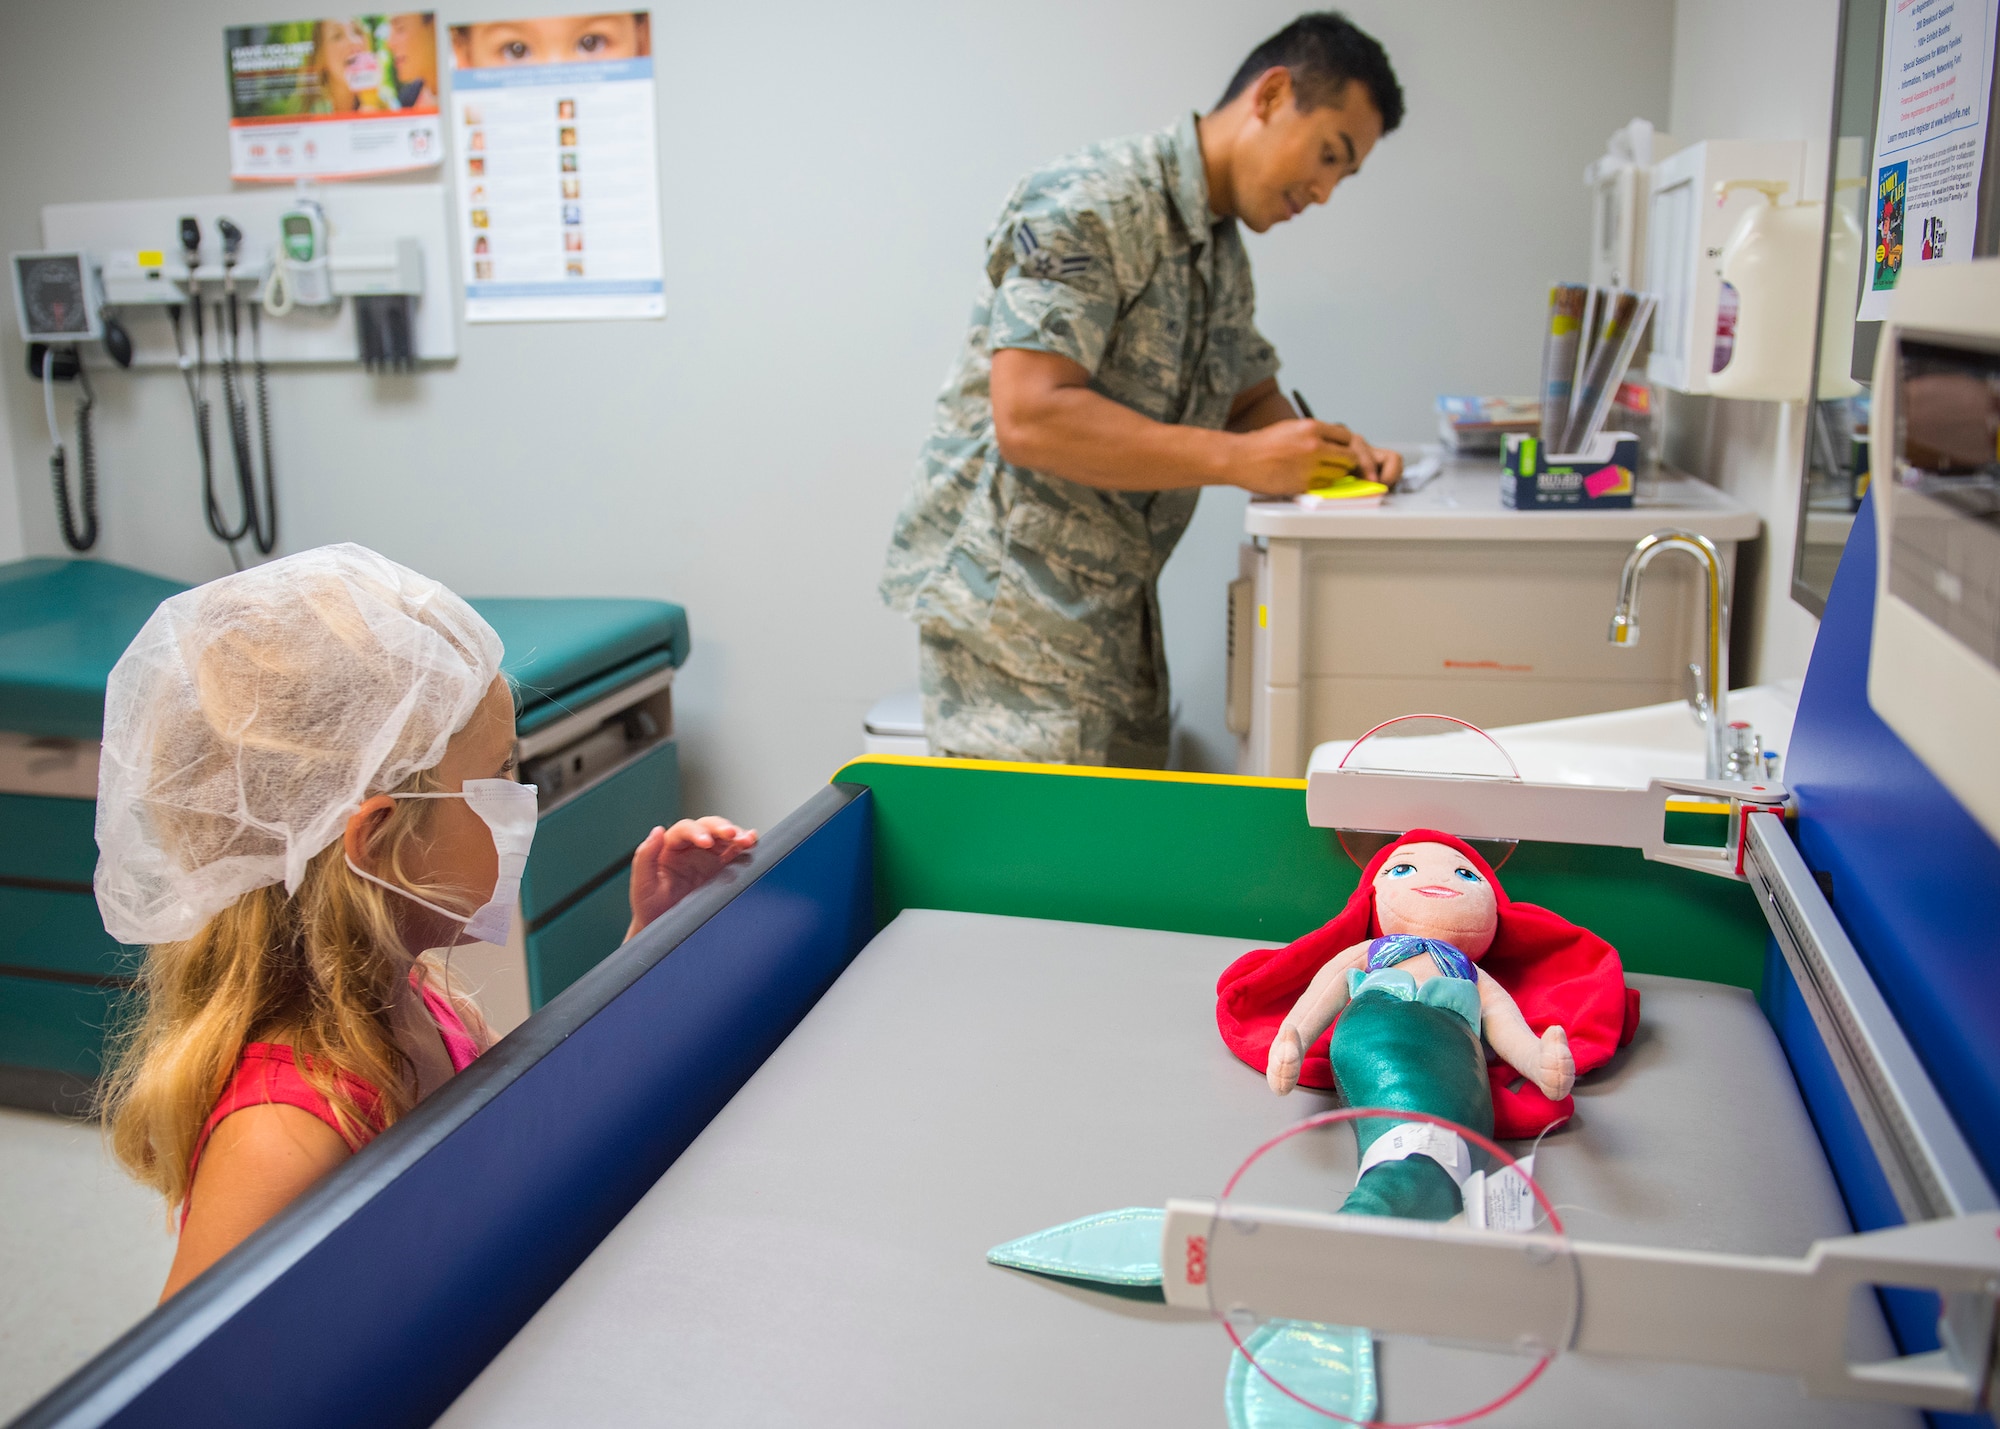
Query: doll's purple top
x=1401, y=947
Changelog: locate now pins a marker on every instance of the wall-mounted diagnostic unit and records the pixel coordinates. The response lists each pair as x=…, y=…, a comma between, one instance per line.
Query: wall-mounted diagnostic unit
x=233, y=283
x=347, y=268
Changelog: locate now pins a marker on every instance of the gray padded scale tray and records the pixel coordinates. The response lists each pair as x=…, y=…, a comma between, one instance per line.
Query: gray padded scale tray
x=816, y=1257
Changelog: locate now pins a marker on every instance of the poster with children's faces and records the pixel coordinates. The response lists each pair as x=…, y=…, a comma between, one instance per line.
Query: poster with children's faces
x=333, y=99
x=556, y=168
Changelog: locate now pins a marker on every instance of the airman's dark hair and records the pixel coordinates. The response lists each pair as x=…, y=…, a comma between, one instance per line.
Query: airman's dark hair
x=1324, y=52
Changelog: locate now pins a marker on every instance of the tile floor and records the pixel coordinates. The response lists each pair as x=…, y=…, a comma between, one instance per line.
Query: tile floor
x=84, y=1250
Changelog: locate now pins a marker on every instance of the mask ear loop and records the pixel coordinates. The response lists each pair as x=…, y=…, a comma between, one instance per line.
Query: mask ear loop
x=462, y=919
x=359, y=872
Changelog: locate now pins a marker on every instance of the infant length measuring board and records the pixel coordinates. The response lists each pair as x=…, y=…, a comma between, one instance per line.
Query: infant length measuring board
x=545, y=1147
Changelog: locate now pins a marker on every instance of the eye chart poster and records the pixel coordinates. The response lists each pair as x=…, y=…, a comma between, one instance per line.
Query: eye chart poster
x=1930, y=136
x=333, y=99
x=558, y=179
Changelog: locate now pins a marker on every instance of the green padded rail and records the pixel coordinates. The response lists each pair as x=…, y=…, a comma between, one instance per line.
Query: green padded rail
x=63, y=625
x=1195, y=853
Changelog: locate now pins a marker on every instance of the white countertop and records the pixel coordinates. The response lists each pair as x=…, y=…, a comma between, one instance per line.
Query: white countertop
x=1462, y=503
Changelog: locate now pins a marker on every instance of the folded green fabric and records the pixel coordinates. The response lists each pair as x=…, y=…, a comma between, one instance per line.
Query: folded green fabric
x=1332, y=1366
x=1114, y=1250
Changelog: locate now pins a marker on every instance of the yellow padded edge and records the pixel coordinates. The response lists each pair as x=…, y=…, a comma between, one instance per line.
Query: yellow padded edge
x=1167, y=776
x=1080, y=771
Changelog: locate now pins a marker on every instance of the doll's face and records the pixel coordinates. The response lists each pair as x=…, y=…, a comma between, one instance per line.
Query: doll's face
x=1432, y=891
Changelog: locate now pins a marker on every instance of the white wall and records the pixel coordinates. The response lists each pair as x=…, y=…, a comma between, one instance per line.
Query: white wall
x=829, y=172
x=12, y=547
x=1762, y=71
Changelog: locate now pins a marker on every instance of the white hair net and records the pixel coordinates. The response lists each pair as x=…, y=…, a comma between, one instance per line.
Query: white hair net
x=252, y=715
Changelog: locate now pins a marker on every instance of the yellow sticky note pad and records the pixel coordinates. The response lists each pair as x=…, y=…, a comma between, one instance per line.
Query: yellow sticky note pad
x=1345, y=488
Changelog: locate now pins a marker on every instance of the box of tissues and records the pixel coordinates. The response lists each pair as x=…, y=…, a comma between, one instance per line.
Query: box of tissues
x=1598, y=478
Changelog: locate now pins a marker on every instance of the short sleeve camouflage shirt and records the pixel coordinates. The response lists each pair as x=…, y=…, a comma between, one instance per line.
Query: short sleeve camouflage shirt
x=1111, y=258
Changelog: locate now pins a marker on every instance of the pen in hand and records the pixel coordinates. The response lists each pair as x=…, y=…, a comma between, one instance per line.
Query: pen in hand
x=1348, y=468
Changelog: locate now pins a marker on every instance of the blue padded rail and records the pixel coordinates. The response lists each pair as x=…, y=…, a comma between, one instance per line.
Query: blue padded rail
x=440, y=1240
x=1909, y=870
x=1899, y=860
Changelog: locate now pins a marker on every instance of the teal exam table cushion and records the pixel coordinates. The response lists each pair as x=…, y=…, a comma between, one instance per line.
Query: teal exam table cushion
x=63, y=625
x=564, y=652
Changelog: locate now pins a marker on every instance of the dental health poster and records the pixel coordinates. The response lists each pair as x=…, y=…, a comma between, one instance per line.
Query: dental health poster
x=1930, y=136
x=333, y=99
x=558, y=181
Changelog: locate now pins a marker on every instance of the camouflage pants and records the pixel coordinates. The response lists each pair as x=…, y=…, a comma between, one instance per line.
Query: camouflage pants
x=974, y=710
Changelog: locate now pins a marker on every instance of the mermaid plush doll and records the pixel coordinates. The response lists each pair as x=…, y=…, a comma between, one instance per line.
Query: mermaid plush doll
x=1397, y=1001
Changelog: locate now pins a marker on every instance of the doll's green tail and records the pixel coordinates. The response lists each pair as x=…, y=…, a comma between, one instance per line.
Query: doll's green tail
x=1408, y=1056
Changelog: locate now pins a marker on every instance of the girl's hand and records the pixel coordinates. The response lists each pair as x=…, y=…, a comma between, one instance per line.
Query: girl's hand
x=1557, y=1072
x=673, y=863
x=1282, y=1071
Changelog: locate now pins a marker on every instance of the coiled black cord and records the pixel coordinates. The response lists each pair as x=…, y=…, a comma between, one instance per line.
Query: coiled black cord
x=86, y=446
x=260, y=517
x=267, y=529
x=192, y=373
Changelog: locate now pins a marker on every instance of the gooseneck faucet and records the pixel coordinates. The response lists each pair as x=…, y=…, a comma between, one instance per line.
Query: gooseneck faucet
x=1710, y=703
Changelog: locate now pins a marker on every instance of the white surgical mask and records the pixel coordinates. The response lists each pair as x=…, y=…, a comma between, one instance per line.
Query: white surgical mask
x=509, y=810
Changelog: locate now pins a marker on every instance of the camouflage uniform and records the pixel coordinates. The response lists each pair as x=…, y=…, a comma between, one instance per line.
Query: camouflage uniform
x=1036, y=597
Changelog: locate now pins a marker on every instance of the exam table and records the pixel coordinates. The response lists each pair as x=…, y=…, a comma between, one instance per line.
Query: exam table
x=745, y=1169
x=594, y=724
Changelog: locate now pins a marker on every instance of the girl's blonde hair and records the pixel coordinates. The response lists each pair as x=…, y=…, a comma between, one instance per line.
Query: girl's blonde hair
x=317, y=970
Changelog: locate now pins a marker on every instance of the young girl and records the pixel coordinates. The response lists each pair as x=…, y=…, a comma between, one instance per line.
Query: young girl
x=306, y=779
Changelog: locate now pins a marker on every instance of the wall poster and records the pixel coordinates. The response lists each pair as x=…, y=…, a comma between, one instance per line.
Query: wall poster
x=556, y=167
x=333, y=99
x=1930, y=137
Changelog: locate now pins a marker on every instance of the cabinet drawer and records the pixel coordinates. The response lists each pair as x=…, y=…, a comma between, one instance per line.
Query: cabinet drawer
x=1523, y=609
x=60, y=932
x=56, y=1026
x=577, y=939
x=598, y=830
x=52, y=839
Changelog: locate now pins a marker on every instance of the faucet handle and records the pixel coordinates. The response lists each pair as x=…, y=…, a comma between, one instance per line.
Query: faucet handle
x=1743, y=751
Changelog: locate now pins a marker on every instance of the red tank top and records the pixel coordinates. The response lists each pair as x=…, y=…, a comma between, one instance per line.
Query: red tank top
x=267, y=1074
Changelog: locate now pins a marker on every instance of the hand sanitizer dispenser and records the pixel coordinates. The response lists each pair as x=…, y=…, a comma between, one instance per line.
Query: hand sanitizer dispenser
x=1771, y=264
x=1687, y=231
